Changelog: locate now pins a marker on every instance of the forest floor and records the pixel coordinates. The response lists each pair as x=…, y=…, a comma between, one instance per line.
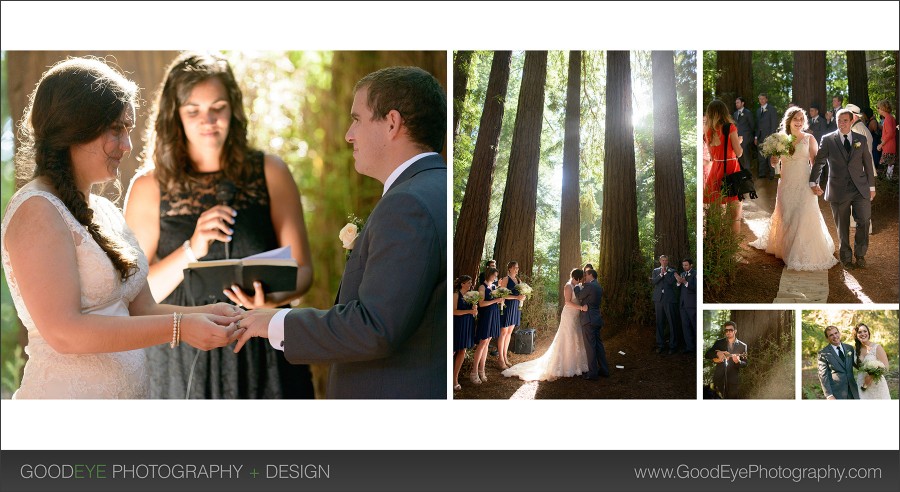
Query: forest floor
x=646, y=374
x=810, y=388
x=759, y=273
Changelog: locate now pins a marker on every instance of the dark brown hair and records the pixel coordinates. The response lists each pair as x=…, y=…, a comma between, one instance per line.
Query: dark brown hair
x=416, y=95
x=75, y=102
x=166, y=141
x=457, y=284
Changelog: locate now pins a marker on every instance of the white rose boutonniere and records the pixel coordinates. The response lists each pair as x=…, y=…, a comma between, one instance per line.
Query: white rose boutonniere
x=856, y=145
x=350, y=231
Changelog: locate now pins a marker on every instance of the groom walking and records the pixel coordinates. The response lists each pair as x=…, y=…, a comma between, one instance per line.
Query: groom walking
x=590, y=295
x=836, y=368
x=851, y=186
x=386, y=336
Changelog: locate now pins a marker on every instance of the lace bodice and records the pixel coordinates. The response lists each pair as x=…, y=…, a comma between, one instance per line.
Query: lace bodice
x=49, y=374
x=878, y=389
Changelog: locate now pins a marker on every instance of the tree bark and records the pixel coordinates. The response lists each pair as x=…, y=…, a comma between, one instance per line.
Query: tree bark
x=619, y=247
x=858, y=78
x=670, y=221
x=570, y=223
x=471, y=227
x=515, y=232
x=808, y=86
x=755, y=326
x=735, y=77
x=462, y=63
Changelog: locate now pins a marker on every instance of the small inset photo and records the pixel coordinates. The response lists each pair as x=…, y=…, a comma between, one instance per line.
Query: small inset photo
x=850, y=354
x=748, y=354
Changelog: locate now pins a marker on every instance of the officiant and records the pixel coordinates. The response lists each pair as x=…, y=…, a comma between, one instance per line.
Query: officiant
x=204, y=194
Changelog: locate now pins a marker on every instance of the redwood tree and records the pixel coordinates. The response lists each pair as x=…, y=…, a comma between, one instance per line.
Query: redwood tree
x=515, y=232
x=670, y=221
x=468, y=242
x=858, y=78
x=462, y=62
x=808, y=86
x=570, y=223
x=619, y=248
x=735, y=76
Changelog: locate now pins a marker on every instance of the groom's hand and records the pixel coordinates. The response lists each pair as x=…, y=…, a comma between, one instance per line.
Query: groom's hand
x=871, y=195
x=255, y=324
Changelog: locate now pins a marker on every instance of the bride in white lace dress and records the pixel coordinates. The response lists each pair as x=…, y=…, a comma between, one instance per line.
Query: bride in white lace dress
x=796, y=232
x=566, y=356
x=75, y=271
x=867, y=351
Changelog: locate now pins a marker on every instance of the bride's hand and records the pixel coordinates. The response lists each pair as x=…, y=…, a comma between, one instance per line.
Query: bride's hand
x=209, y=331
x=867, y=380
x=223, y=309
x=773, y=161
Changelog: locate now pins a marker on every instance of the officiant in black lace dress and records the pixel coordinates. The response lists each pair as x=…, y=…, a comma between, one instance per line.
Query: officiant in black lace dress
x=196, y=148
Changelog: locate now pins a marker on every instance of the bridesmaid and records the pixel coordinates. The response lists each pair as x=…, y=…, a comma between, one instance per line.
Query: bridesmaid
x=511, y=315
x=463, y=325
x=488, y=324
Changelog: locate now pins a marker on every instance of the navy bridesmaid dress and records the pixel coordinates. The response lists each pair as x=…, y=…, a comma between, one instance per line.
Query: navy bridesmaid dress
x=463, y=327
x=488, y=317
x=512, y=315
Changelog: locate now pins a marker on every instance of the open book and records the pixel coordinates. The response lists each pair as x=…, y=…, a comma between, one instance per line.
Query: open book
x=204, y=281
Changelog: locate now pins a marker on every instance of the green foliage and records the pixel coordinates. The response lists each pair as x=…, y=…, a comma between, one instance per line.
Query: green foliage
x=539, y=311
x=882, y=78
x=710, y=76
x=720, y=246
x=712, y=330
x=835, y=77
x=773, y=73
x=770, y=370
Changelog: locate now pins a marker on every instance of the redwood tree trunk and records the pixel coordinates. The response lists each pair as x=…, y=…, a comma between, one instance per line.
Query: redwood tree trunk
x=754, y=326
x=735, y=76
x=570, y=223
x=515, y=232
x=858, y=78
x=809, y=79
x=462, y=63
x=468, y=242
x=619, y=248
x=670, y=221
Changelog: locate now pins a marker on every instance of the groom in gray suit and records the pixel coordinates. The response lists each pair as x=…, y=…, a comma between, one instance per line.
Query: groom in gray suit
x=851, y=186
x=836, y=368
x=386, y=336
x=590, y=296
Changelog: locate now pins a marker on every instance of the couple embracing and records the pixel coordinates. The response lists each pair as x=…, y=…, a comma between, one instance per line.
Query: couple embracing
x=577, y=348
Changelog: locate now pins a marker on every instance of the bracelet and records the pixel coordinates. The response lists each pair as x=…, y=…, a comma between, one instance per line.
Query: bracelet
x=174, y=330
x=192, y=258
x=178, y=330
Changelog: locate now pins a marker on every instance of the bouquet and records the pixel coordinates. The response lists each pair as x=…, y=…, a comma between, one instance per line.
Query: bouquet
x=780, y=145
x=501, y=293
x=473, y=297
x=523, y=289
x=873, y=368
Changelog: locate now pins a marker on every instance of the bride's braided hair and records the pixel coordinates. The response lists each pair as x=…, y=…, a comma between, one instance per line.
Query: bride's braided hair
x=75, y=102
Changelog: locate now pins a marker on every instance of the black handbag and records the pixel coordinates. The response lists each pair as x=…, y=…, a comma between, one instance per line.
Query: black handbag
x=738, y=183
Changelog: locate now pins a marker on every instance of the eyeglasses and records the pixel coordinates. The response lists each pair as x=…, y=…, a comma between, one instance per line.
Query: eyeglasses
x=729, y=329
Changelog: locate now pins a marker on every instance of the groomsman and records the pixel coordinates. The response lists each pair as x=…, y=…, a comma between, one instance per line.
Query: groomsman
x=817, y=125
x=664, y=299
x=830, y=122
x=743, y=118
x=837, y=104
x=766, y=124
x=687, y=284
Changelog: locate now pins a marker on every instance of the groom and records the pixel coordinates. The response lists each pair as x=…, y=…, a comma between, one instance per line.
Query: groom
x=386, y=337
x=589, y=296
x=851, y=186
x=836, y=368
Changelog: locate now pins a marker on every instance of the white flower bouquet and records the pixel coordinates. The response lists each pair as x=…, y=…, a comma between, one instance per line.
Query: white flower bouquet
x=473, y=297
x=873, y=368
x=523, y=289
x=780, y=145
x=501, y=293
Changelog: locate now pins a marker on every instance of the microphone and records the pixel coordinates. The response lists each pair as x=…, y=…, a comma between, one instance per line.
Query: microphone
x=225, y=190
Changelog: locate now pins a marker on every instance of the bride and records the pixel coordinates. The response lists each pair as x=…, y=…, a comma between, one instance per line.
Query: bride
x=75, y=271
x=566, y=356
x=796, y=232
x=867, y=350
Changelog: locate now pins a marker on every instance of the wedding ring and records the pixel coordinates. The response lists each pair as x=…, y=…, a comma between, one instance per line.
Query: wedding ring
x=238, y=324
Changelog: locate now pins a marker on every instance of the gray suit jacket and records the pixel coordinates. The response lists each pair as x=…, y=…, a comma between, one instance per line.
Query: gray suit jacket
x=689, y=292
x=746, y=127
x=591, y=294
x=387, y=335
x=845, y=172
x=836, y=375
x=818, y=128
x=664, y=287
x=766, y=122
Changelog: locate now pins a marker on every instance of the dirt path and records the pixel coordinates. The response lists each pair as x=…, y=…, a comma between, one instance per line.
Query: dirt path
x=646, y=375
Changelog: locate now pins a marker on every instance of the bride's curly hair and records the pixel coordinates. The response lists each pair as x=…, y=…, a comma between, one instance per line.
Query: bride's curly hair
x=857, y=344
x=75, y=102
x=789, y=114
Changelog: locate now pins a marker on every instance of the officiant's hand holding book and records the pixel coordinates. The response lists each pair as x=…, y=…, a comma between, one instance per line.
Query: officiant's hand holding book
x=242, y=281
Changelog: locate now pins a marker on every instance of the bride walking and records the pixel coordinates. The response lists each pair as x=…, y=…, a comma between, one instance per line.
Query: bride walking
x=566, y=356
x=796, y=232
